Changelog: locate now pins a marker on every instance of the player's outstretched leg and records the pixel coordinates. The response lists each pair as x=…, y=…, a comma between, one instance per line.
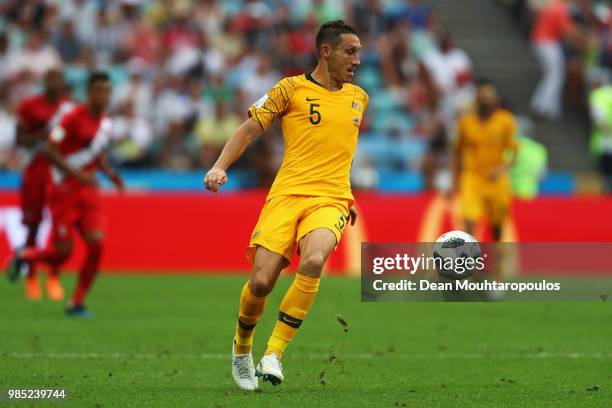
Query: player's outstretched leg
x=315, y=248
x=87, y=275
x=266, y=268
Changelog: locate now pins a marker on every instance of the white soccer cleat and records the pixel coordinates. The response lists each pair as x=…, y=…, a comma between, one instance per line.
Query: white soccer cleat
x=243, y=371
x=271, y=369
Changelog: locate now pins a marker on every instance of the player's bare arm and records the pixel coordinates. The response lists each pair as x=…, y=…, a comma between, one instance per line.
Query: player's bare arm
x=55, y=157
x=113, y=176
x=232, y=150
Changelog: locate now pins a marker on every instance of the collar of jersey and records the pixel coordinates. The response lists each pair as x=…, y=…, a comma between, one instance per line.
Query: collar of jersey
x=309, y=77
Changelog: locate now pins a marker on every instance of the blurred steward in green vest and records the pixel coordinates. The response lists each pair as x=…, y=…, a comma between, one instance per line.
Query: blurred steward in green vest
x=530, y=164
x=600, y=102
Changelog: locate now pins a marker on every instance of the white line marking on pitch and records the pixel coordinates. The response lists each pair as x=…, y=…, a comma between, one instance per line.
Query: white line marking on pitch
x=212, y=356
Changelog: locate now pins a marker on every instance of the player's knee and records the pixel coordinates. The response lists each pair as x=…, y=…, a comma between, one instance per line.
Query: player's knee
x=261, y=284
x=312, y=262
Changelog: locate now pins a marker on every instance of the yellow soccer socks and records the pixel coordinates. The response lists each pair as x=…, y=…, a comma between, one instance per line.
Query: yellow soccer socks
x=295, y=305
x=251, y=308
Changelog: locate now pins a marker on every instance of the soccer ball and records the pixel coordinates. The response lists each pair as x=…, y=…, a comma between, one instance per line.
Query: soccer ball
x=457, y=255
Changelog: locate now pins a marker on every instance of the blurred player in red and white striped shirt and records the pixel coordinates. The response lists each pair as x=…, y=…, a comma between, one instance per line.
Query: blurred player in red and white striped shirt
x=76, y=150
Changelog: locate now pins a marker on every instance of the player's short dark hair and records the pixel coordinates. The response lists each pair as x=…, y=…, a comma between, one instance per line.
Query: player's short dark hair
x=97, y=76
x=330, y=32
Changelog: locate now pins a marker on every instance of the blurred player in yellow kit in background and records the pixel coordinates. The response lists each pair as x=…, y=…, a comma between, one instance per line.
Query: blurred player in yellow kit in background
x=484, y=151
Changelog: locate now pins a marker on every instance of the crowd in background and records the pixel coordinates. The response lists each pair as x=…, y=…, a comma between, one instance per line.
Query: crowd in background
x=572, y=40
x=184, y=73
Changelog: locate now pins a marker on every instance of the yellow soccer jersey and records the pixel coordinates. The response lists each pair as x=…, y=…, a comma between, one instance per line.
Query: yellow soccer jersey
x=320, y=129
x=481, y=145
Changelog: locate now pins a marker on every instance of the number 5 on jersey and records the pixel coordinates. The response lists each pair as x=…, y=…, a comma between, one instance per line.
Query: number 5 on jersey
x=315, y=115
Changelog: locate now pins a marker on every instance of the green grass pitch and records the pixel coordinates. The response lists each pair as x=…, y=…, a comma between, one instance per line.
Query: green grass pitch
x=164, y=341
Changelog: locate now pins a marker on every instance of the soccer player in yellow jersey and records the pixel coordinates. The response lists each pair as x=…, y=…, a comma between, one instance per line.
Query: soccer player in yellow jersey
x=485, y=149
x=310, y=202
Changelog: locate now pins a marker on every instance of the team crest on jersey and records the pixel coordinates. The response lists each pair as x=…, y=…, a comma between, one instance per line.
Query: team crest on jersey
x=356, y=122
x=356, y=106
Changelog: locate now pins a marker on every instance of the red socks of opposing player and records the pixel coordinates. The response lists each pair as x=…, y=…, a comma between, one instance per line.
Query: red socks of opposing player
x=88, y=272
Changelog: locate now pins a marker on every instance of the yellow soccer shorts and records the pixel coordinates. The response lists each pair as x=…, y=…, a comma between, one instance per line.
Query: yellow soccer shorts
x=480, y=197
x=285, y=220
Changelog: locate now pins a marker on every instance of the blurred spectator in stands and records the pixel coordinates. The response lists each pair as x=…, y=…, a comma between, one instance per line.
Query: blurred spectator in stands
x=107, y=37
x=25, y=14
x=574, y=95
x=264, y=159
x=133, y=137
x=142, y=42
x=321, y=10
x=451, y=70
x=424, y=104
x=181, y=30
x=159, y=12
x=397, y=63
x=283, y=57
x=174, y=151
x=604, y=52
x=181, y=41
x=254, y=20
x=258, y=79
x=209, y=16
x=8, y=123
x=212, y=131
x=83, y=13
x=601, y=114
x=229, y=42
x=553, y=24
x=369, y=18
x=416, y=13
x=67, y=43
x=35, y=58
x=4, y=57
x=136, y=91
x=302, y=40
x=436, y=164
x=213, y=61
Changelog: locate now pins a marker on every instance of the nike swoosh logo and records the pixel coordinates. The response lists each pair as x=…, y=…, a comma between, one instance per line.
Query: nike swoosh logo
x=312, y=99
x=286, y=319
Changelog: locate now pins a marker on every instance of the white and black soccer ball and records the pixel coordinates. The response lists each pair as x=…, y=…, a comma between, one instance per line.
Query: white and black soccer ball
x=452, y=251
